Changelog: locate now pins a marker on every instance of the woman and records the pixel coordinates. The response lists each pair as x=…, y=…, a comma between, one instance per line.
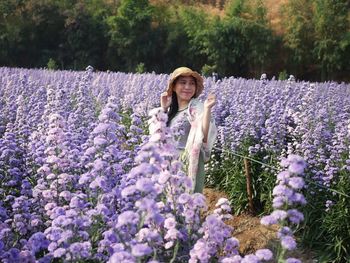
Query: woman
x=193, y=118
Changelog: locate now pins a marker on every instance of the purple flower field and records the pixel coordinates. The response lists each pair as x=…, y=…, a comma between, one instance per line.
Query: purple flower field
x=89, y=171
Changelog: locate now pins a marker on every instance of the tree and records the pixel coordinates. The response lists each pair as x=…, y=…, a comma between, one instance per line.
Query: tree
x=332, y=28
x=130, y=32
x=225, y=47
x=85, y=38
x=29, y=32
x=240, y=43
x=236, y=8
x=196, y=24
x=171, y=39
x=299, y=35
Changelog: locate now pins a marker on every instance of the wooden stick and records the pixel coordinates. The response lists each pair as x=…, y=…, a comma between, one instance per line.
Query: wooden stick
x=249, y=185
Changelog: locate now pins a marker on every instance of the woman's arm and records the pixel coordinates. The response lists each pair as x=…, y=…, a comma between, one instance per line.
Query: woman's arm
x=208, y=104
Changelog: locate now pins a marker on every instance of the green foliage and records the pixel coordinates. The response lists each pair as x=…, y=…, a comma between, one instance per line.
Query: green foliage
x=175, y=54
x=85, y=39
x=227, y=172
x=225, y=47
x=328, y=231
x=51, y=64
x=140, y=68
x=332, y=27
x=196, y=26
x=237, y=46
x=129, y=30
x=260, y=12
x=236, y=8
x=283, y=75
x=25, y=32
x=299, y=35
x=32, y=32
x=208, y=70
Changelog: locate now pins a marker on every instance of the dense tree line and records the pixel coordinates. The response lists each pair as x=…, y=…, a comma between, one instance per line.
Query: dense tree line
x=128, y=35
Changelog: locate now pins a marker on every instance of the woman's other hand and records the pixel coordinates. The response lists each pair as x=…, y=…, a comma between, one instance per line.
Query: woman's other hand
x=165, y=101
x=210, y=101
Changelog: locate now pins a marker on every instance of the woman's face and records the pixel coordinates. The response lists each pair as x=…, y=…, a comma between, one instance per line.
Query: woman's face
x=185, y=88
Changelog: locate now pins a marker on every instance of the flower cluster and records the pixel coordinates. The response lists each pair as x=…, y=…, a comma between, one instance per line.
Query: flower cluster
x=161, y=218
x=286, y=196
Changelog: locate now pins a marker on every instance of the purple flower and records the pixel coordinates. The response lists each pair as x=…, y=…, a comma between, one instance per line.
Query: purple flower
x=297, y=168
x=58, y=253
x=163, y=177
x=100, y=182
x=101, y=128
x=144, y=185
x=293, y=260
x=129, y=190
x=283, y=176
x=122, y=256
x=282, y=190
x=171, y=234
x=295, y=216
x=264, y=254
x=99, y=141
x=169, y=223
x=99, y=164
x=234, y=259
x=231, y=244
x=288, y=242
x=298, y=198
x=278, y=202
x=184, y=198
x=37, y=242
x=284, y=231
x=250, y=259
x=66, y=195
x=77, y=202
x=80, y=250
x=140, y=250
x=268, y=220
x=199, y=200
x=26, y=257
x=199, y=252
x=169, y=244
x=296, y=182
x=284, y=162
x=279, y=214
x=127, y=217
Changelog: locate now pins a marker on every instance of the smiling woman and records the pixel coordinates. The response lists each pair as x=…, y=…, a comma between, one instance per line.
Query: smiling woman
x=191, y=120
x=185, y=89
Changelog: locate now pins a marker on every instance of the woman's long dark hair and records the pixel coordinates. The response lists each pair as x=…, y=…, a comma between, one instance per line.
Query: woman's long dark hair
x=173, y=109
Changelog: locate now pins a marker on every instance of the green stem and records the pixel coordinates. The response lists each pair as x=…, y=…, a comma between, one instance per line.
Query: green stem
x=176, y=249
x=281, y=255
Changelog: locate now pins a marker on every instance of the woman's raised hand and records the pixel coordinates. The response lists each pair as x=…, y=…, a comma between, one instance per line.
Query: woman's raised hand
x=210, y=101
x=165, y=100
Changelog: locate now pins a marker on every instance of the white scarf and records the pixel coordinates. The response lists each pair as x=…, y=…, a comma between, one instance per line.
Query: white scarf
x=195, y=138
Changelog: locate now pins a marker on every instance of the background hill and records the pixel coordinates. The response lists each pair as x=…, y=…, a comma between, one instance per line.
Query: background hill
x=216, y=7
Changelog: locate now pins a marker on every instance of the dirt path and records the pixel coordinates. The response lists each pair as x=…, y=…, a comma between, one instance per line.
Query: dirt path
x=250, y=233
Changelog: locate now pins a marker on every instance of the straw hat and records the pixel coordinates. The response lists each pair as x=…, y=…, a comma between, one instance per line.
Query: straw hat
x=184, y=71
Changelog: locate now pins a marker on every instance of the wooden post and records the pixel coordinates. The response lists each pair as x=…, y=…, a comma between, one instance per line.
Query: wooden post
x=249, y=185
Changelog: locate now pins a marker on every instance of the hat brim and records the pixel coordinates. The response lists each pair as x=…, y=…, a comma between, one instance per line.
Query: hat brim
x=186, y=73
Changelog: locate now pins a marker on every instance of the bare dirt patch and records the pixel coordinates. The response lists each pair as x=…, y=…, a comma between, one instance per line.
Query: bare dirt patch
x=250, y=233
